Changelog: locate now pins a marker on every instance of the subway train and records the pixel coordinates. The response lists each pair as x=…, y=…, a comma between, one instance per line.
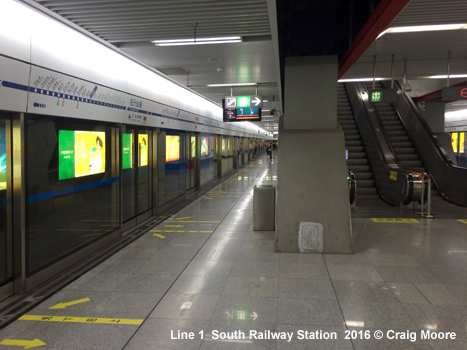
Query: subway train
x=93, y=145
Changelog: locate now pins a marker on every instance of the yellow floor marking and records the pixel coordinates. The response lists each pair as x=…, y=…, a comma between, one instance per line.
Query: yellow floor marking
x=187, y=217
x=397, y=220
x=180, y=231
x=158, y=235
x=173, y=225
x=92, y=234
x=26, y=343
x=199, y=222
x=463, y=220
x=80, y=319
x=64, y=305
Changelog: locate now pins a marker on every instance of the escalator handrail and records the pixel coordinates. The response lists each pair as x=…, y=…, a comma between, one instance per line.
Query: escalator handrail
x=395, y=191
x=450, y=179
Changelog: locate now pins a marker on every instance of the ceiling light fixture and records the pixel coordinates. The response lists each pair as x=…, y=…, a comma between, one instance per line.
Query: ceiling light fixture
x=198, y=41
x=427, y=28
x=228, y=85
x=357, y=80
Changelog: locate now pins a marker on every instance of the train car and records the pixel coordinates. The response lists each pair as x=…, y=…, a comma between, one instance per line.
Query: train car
x=92, y=144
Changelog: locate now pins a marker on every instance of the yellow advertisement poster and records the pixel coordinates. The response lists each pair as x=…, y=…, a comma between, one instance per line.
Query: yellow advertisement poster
x=172, y=148
x=193, y=146
x=461, y=142
x=454, y=136
x=143, y=149
x=89, y=152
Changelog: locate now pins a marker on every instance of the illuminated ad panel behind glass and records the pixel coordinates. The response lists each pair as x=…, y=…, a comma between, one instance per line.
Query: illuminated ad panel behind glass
x=81, y=153
x=172, y=148
x=193, y=146
x=127, y=154
x=223, y=145
x=204, y=146
x=461, y=142
x=2, y=159
x=454, y=141
x=143, y=149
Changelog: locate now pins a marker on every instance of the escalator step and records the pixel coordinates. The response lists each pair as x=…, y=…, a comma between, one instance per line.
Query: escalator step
x=405, y=150
x=408, y=157
x=358, y=161
x=353, y=149
x=411, y=164
x=365, y=184
x=363, y=176
x=352, y=137
x=357, y=155
x=395, y=139
x=359, y=169
x=391, y=128
x=398, y=145
x=353, y=143
x=366, y=190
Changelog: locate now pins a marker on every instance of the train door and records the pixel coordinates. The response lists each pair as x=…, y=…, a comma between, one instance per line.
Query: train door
x=6, y=218
x=191, y=166
x=136, y=175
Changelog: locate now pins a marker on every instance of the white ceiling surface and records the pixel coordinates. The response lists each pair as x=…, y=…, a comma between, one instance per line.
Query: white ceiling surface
x=426, y=52
x=132, y=24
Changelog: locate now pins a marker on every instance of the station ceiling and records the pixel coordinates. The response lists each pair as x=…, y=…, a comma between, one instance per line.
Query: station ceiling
x=270, y=30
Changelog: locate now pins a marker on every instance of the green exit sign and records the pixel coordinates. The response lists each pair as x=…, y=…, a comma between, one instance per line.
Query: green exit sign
x=243, y=101
x=376, y=96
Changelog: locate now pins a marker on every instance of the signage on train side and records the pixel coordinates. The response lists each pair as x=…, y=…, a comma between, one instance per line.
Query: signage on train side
x=246, y=101
x=455, y=93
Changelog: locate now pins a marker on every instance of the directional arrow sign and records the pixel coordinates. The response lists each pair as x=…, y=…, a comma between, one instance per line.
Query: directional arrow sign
x=26, y=343
x=257, y=101
x=246, y=101
x=254, y=315
x=64, y=305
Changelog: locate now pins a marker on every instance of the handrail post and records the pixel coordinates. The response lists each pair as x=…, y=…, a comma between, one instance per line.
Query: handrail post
x=422, y=199
x=428, y=214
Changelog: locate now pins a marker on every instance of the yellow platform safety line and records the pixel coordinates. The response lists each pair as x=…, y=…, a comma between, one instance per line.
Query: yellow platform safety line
x=463, y=221
x=198, y=222
x=396, y=220
x=70, y=303
x=187, y=217
x=180, y=231
x=158, y=235
x=27, y=344
x=92, y=234
x=173, y=225
x=99, y=320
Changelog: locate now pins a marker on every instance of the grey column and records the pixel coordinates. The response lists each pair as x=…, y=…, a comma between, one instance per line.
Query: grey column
x=313, y=210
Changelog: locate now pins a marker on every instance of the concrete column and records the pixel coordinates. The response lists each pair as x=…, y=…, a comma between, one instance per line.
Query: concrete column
x=313, y=209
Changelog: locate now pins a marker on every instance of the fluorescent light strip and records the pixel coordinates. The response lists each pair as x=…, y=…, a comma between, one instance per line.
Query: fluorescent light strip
x=451, y=76
x=427, y=28
x=357, y=80
x=228, y=85
x=198, y=41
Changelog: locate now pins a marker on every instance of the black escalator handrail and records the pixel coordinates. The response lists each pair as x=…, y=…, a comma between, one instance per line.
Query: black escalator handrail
x=450, y=179
x=388, y=143
x=391, y=182
x=438, y=148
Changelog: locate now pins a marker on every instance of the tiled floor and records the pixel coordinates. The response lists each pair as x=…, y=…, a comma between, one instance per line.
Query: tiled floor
x=225, y=277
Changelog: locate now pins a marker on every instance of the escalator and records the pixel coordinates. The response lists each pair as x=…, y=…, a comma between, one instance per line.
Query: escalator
x=450, y=180
x=356, y=158
x=404, y=149
x=392, y=183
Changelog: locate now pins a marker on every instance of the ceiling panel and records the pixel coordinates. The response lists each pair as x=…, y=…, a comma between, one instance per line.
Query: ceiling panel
x=131, y=25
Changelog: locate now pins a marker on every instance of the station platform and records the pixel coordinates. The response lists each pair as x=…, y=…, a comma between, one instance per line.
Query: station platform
x=203, y=279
